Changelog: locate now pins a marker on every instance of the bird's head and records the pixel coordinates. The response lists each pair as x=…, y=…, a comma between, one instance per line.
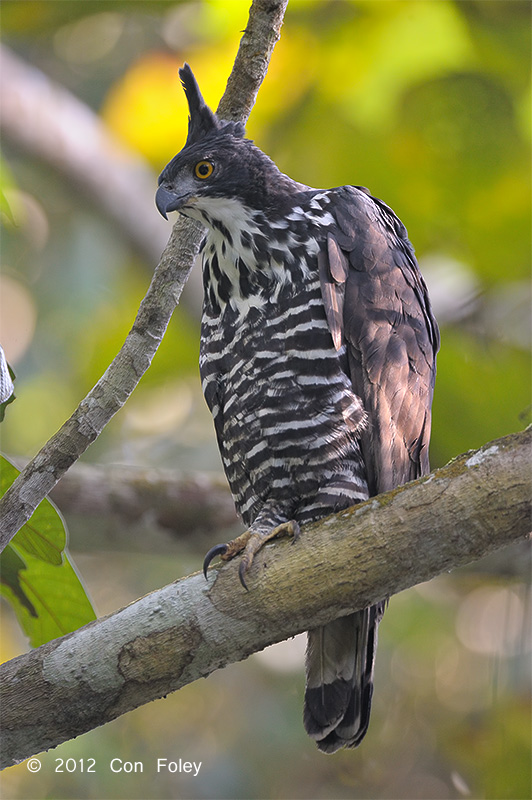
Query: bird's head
x=216, y=165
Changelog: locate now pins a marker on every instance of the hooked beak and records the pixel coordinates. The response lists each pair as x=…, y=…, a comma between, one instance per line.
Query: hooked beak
x=168, y=201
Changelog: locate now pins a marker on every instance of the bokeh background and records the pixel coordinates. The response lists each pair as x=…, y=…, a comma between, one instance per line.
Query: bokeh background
x=427, y=103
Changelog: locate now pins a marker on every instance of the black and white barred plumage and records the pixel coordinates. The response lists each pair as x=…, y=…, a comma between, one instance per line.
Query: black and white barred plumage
x=317, y=359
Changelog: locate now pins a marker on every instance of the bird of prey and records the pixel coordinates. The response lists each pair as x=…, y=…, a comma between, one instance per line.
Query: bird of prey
x=317, y=359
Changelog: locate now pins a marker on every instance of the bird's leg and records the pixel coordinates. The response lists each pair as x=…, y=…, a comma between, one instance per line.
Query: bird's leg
x=251, y=541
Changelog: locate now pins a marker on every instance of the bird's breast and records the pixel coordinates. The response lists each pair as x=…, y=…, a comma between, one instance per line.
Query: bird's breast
x=276, y=372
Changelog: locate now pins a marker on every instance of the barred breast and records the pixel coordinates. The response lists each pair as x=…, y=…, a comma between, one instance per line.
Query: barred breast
x=284, y=409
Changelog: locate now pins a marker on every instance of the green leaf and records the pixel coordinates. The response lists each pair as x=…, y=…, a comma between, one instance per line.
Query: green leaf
x=36, y=576
x=12, y=564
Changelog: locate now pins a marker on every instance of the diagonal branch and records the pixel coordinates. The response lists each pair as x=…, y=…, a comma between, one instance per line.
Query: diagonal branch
x=134, y=358
x=478, y=503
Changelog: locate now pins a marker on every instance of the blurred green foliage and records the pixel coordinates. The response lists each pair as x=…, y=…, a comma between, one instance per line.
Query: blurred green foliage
x=426, y=102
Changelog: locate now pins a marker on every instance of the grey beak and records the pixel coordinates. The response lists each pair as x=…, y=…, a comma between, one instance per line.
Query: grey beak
x=166, y=201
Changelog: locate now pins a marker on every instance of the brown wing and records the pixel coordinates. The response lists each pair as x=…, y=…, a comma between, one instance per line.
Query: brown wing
x=377, y=305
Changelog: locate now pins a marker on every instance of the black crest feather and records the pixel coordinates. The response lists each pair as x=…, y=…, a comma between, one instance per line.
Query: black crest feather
x=202, y=121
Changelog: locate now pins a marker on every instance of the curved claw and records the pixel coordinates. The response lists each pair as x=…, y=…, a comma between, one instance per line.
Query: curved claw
x=217, y=550
x=243, y=568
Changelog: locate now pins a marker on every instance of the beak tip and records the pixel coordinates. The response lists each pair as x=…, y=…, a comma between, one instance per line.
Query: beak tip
x=165, y=201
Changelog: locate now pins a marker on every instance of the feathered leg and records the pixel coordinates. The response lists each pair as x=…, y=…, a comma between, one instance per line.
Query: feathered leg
x=339, y=666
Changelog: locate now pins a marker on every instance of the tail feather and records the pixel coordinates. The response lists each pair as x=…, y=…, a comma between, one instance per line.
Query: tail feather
x=340, y=663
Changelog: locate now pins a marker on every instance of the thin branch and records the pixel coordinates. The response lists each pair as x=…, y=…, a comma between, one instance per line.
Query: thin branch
x=122, y=376
x=253, y=58
x=476, y=504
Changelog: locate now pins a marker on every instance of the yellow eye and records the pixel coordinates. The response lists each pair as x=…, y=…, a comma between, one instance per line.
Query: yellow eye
x=203, y=169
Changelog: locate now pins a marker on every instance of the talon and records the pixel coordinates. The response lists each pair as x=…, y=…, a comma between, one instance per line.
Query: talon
x=249, y=542
x=217, y=550
x=241, y=573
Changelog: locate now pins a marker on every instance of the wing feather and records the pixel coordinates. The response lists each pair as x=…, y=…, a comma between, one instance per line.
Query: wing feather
x=377, y=304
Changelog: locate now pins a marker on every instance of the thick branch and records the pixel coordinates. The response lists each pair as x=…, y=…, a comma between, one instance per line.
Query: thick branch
x=476, y=504
x=113, y=389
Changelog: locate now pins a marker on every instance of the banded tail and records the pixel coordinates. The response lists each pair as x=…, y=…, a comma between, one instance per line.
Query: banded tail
x=339, y=666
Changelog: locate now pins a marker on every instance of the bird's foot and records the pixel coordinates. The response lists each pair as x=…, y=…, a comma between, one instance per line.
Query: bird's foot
x=250, y=542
